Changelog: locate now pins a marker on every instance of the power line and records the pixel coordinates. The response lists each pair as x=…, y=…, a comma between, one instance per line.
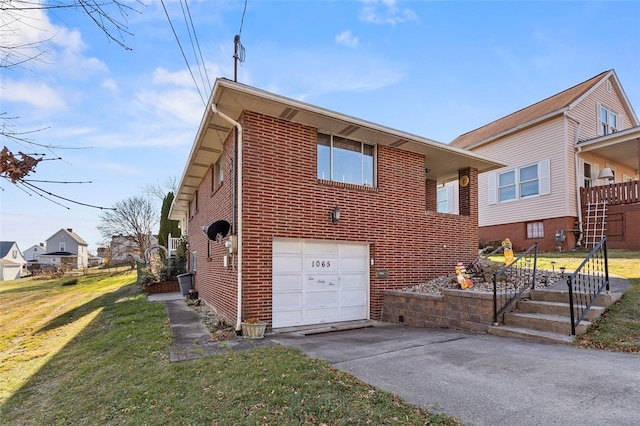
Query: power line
x=182, y=51
x=199, y=51
x=242, y=20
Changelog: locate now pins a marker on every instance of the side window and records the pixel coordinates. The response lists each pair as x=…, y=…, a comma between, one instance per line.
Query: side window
x=522, y=182
x=507, y=186
x=608, y=120
x=217, y=175
x=535, y=230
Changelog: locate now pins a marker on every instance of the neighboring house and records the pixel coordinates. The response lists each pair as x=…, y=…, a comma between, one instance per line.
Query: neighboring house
x=582, y=140
x=314, y=214
x=124, y=249
x=32, y=254
x=66, y=249
x=11, y=261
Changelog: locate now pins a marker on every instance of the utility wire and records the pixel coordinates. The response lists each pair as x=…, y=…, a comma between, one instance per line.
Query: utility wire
x=182, y=51
x=190, y=29
x=208, y=86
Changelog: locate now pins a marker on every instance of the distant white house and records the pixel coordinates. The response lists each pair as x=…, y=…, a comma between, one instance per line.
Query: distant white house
x=124, y=250
x=32, y=254
x=11, y=261
x=66, y=249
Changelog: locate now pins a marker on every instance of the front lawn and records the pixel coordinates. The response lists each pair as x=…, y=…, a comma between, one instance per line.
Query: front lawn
x=95, y=352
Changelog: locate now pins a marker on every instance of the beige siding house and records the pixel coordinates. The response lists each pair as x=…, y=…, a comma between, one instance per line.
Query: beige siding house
x=584, y=137
x=66, y=249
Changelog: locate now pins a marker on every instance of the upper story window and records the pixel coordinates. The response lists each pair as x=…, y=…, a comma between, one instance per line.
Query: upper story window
x=608, y=121
x=345, y=160
x=193, y=205
x=522, y=182
x=62, y=246
x=217, y=175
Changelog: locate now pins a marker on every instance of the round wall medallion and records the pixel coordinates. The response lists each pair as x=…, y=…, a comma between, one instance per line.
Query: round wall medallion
x=464, y=181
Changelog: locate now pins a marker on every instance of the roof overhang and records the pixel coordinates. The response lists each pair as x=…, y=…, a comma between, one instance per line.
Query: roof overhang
x=621, y=147
x=443, y=161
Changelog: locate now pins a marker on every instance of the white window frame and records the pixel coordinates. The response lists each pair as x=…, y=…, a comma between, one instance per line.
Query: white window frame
x=543, y=179
x=587, y=181
x=364, y=180
x=194, y=261
x=605, y=125
x=535, y=230
x=62, y=246
x=217, y=175
x=447, y=198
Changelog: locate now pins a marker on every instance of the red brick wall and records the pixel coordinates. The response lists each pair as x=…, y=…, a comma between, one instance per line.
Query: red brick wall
x=517, y=233
x=283, y=198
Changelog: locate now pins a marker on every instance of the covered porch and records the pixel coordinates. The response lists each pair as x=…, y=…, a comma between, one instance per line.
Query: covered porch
x=613, y=209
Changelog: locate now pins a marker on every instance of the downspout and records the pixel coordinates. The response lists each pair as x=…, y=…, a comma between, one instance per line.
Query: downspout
x=578, y=177
x=237, y=125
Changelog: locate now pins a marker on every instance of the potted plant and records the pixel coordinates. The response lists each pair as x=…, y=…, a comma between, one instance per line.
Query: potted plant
x=253, y=328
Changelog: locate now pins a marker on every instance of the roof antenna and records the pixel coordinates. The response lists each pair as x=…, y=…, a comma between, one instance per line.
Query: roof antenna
x=238, y=55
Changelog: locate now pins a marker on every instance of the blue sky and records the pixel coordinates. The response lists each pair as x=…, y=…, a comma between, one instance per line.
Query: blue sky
x=127, y=118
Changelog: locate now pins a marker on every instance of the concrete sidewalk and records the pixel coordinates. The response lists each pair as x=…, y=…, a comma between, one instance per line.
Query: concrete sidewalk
x=192, y=338
x=484, y=379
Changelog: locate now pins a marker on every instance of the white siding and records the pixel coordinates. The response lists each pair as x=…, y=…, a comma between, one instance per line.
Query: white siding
x=586, y=111
x=530, y=146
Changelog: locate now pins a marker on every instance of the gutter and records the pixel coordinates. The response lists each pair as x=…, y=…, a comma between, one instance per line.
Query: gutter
x=578, y=177
x=239, y=140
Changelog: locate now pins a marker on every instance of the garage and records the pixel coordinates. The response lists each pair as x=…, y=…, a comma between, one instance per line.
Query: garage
x=317, y=282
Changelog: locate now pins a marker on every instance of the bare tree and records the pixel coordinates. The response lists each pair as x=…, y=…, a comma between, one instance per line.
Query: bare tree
x=129, y=227
x=110, y=16
x=158, y=190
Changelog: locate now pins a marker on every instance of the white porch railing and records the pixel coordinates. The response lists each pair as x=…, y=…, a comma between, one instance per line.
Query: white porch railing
x=173, y=244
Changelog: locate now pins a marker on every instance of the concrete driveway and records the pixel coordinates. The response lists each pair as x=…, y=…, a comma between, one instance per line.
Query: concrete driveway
x=483, y=379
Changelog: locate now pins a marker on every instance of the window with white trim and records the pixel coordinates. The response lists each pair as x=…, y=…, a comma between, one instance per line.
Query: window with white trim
x=587, y=175
x=523, y=182
x=608, y=121
x=345, y=160
x=62, y=246
x=535, y=230
x=217, y=175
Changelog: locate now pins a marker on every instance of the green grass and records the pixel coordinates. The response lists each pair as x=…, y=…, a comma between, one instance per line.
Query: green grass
x=96, y=353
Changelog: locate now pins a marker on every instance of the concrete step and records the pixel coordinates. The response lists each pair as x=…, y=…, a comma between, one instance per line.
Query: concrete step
x=543, y=322
x=535, y=335
x=604, y=299
x=556, y=308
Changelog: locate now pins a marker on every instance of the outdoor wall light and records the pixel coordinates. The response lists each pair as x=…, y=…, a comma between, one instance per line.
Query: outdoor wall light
x=335, y=215
x=606, y=173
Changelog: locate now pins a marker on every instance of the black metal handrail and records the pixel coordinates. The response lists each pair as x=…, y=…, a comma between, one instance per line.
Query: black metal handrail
x=519, y=276
x=587, y=282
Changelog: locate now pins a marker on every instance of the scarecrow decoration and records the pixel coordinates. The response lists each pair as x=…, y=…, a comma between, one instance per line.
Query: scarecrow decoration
x=508, y=251
x=462, y=277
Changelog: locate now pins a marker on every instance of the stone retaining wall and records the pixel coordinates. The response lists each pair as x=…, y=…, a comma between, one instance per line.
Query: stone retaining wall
x=458, y=309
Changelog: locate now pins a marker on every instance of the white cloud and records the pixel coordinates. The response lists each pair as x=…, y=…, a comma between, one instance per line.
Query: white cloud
x=182, y=104
x=180, y=78
x=346, y=38
x=33, y=93
x=110, y=85
x=385, y=12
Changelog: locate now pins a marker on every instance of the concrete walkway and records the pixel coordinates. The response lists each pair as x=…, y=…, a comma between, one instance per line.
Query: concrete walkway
x=192, y=338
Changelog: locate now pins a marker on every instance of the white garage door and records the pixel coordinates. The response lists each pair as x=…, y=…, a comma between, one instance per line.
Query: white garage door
x=318, y=282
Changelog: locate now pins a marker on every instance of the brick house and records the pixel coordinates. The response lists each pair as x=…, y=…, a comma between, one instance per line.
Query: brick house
x=323, y=211
x=572, y=173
